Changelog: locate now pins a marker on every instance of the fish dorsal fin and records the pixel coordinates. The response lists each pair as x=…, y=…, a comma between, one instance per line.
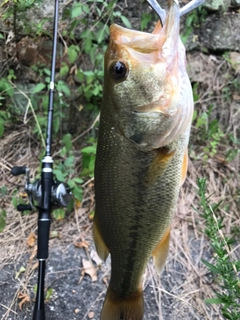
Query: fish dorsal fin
x=161, y=251
x=100, y=245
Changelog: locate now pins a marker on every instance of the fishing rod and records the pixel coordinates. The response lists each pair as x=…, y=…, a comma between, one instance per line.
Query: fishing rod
x=45, y=193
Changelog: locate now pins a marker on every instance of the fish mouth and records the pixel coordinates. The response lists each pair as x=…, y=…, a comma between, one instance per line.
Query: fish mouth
x=155, y=108
x=137, y=40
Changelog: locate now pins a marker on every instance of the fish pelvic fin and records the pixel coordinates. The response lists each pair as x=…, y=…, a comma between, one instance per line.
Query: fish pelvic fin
x=161, y=251
x=116, y=308
x=100, y=245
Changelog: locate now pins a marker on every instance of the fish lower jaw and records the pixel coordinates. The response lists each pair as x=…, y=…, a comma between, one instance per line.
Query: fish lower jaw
x=157, y=108
x=149, y=114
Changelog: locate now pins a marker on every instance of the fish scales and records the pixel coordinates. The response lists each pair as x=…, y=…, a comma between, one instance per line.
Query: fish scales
x=135, y=211
x=141, y=157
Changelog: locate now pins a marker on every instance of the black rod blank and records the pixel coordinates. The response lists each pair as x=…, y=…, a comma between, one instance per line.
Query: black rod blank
x=44, y=219
x=52, y=79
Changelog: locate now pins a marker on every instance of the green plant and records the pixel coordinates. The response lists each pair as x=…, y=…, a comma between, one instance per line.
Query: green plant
x=84, y=36
x=209, y=132
x=64, y=168
x=88, y=158
x=6, y=91
x=3, y=215
x=92, y=34
x=224, y=267
x=145, y=19
x=193, y=20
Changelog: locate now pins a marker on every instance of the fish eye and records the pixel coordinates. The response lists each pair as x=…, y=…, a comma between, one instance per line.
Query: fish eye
x=118, y=70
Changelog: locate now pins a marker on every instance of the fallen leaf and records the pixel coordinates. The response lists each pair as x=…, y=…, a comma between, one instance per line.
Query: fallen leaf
x=81, y=244
x=77, y=204
x=23, y=195
x=235, y=60
x=34, y=252
x=91, y=315
x=90, y=269
x=48, y=294
x=21, y=270
x=35, y=266
x=54, y=234
x=105, y=280
x=91, y=215
x=24, y=298
x=31, y=239
x=94, y=256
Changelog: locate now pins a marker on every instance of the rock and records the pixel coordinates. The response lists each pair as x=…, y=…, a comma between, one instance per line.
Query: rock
x=201, y=68
x=235, y=61
x=235, y=3
x=216, y=5
x=38, y=51
x=221, y=32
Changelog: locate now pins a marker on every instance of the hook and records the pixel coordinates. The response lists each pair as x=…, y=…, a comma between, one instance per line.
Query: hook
x=191, y=6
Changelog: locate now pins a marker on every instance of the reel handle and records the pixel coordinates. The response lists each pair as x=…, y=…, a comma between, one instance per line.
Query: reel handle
x=16, y=171
x=24, y=207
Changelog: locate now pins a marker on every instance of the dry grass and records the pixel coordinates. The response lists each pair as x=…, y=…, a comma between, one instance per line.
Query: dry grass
x=185, y=282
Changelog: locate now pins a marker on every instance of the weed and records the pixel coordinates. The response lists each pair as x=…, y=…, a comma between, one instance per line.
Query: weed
x=209, y=132
x=6, y=91
x=224, y=268
x=146, y=18
x=193, y=20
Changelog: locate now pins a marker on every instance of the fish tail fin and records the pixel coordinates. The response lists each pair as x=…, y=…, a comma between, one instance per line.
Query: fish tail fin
x=115, y=308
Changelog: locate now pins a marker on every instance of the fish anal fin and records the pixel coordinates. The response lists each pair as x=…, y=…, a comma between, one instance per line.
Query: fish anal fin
x=159, y=164
x=116, y=308
x=100, y=245
x=161, y=251
x=184, y=167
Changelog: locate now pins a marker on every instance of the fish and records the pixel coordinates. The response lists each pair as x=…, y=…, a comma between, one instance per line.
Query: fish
x=142, y=156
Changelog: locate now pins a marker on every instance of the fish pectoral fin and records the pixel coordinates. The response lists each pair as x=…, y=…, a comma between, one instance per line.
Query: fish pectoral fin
x=159, y=164
x=184, y=167
x=116, y=308
x=161, y=251
x=102, y=249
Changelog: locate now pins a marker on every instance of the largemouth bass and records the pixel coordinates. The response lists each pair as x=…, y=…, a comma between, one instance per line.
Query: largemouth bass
x=141, y=157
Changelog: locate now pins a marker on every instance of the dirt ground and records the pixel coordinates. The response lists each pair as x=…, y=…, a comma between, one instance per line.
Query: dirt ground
x=78, y=295
x=78, y=279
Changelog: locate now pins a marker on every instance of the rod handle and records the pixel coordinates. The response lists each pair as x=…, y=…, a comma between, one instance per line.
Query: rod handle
x=43, y=238
x=18, y=170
